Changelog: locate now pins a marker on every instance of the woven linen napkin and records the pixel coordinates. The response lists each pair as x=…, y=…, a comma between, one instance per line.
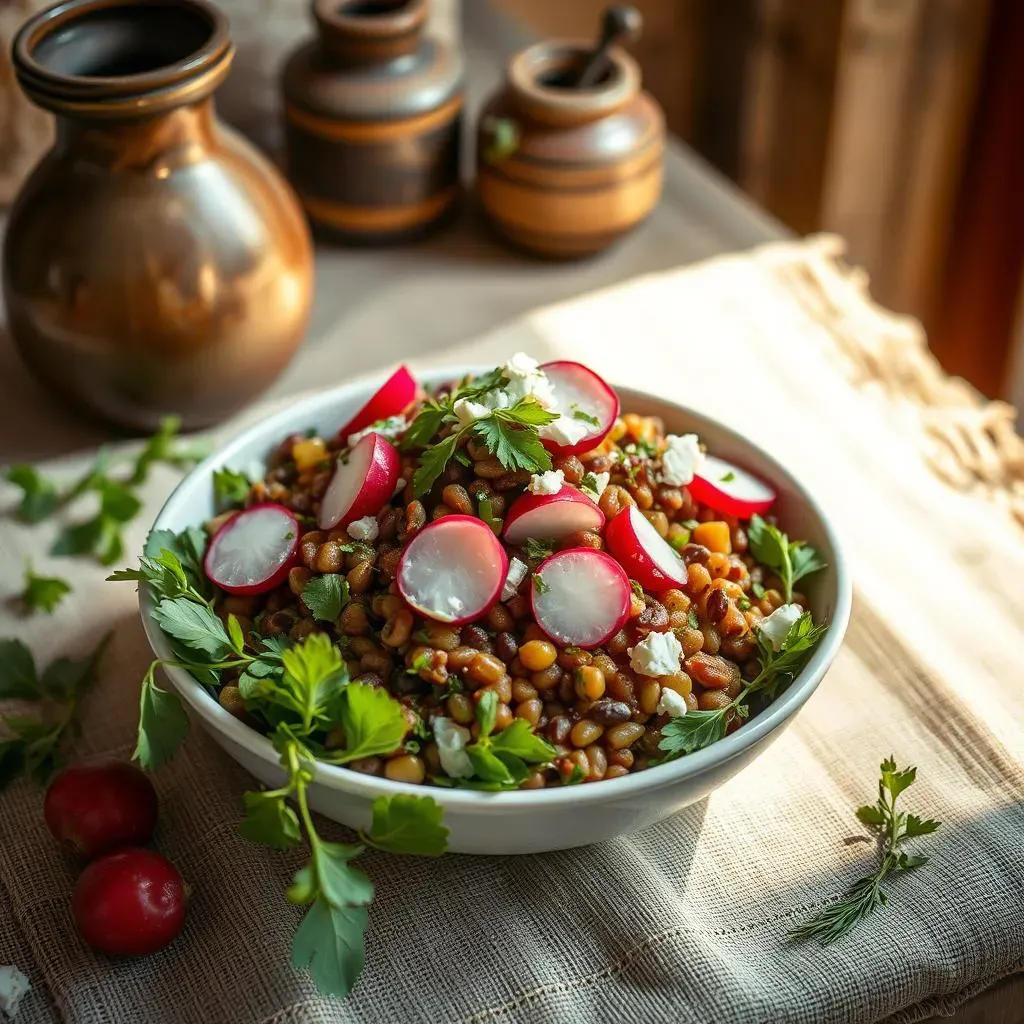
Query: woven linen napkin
x=686, y=921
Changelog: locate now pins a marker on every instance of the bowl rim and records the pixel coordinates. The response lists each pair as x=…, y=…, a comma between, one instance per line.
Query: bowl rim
x=279, y=423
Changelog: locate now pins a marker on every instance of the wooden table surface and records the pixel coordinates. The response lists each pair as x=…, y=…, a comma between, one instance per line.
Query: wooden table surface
x=461, y=284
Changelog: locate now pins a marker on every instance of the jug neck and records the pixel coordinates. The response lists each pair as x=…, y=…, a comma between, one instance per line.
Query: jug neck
x=122, y=60
x=355, y=32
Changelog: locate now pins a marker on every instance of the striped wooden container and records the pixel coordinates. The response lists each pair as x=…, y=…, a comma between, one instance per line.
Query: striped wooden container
x=565, y=172
x=373, y=112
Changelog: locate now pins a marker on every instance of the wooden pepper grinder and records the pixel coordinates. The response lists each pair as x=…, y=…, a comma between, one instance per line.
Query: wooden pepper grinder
x=373, y=110
x=570, y=149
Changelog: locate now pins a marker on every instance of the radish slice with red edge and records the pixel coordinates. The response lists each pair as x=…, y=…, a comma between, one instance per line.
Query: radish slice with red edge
x=254, y=550
x=580, y=596
x=551, y=516
x=643, y=553
x=730, y=490
x=582, y=395
x=391, y=398
x=453, y=569
x=362, y=485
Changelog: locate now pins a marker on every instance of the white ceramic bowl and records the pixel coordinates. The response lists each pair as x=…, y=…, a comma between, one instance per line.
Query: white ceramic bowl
x=537, y=820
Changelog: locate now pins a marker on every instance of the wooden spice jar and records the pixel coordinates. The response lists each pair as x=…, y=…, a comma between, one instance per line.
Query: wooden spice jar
x=373, y=110
x=562, y=171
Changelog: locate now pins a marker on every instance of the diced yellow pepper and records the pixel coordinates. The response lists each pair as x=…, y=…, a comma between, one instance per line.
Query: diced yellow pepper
x=308, y=453
x=714, y=536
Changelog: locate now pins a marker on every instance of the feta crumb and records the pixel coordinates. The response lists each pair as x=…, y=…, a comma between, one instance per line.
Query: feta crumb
x=451, y=748
x=455, y=605
x=14, y=987
x=521, y=365
x=400, y=485
x=775, y=627
x=600, y=483
x=517, y=571
x=549, y=482
x=467, y=412
x=658, y=654
x=522, y=384
x=566, y=430
x=389, y=428
x=671, y=703
x=364, y=529
x=681, y=459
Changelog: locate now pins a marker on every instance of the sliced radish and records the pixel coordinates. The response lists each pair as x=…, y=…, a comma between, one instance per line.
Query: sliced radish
x=581, y=597
x=253, y=551
x=391, y=398
x=729, y=489
x=453, y=569
x=581, y=396
x=362, y=485
x=551, y=516
x=642, y=551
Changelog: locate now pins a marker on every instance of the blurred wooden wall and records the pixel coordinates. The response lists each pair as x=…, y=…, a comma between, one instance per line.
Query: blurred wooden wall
x=876, y=119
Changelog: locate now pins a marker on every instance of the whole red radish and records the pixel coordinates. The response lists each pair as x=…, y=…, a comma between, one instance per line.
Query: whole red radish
x=129, y=903
x=100, y=805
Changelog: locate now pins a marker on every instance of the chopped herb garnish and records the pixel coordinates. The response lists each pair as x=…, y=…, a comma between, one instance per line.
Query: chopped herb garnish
x=539, y=585
x=537, y=550
x=892, y=829
x=728, y=478
x=230, y=487
x=693, y=619
x=638, y=590
x=743, y=603
x=422, y=662
x=579, y=414
x=757, y=589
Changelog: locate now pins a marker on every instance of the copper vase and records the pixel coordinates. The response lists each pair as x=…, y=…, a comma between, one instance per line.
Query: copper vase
x=154, y=262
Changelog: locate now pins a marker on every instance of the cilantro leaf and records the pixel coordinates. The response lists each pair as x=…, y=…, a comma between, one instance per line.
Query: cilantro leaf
x=519, y=740
x=195, y=625
x=43, y=593
x=314, y=678
x=163, y=724
x=330, y=944
x=404, y=823
x=39, y=498
x=432, y=463
x=488, y=766
x=422, y=429
x=326, y=596
x=791, y=560
x=18, y=679
x=269, y=820
x=230, y=487
x=372, y=721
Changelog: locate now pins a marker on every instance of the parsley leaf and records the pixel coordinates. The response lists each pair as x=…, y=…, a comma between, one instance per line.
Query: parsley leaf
x=432, y=463
x=164, y=447
x=698, y=729
x=579, y=414
x=486, y=512
x=638, y=590
x=757, y=590
x=17, y=672
x=539, y=585
x=791, y=560
x=329, y=943
x=195, y=625
x=506, y=436
x=326, y=596
x=43, y=593
x=39, y=498
x=163, y=724
x=728, y=478
x=404, y=823
x=892, y=829
x=270, y=821
x=372, y=721
x=230, y=487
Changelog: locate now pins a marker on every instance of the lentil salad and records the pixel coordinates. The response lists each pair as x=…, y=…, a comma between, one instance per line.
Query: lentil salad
x=704, y=641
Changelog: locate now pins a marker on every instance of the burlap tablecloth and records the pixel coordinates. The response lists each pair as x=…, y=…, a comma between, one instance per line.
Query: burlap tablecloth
x=687, y=921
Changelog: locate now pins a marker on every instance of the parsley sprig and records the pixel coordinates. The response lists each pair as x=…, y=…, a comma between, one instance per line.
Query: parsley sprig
x=791, y=560
x=698, y=729
x=112, y=483
x=42, y=593
x=33, y=742
x=510, y=434
x=892, y=828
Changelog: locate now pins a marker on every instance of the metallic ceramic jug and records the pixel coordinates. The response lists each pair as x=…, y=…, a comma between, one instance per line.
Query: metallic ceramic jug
x=154, y=262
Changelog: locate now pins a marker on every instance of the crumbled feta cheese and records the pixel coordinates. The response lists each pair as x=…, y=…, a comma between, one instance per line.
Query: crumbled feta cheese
x=389, y=428
x=775, y=627
x=455, y=605
x=658, y=654
x=600, y=483
x=546, y=483
x=671, y=703
x=521, y=365
x=681, y=459
x=451, y=748
x=566, y=430
x=516, y=574
x=400, y=485
x=467, y=412
x=14, y=987
x=364, y=529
